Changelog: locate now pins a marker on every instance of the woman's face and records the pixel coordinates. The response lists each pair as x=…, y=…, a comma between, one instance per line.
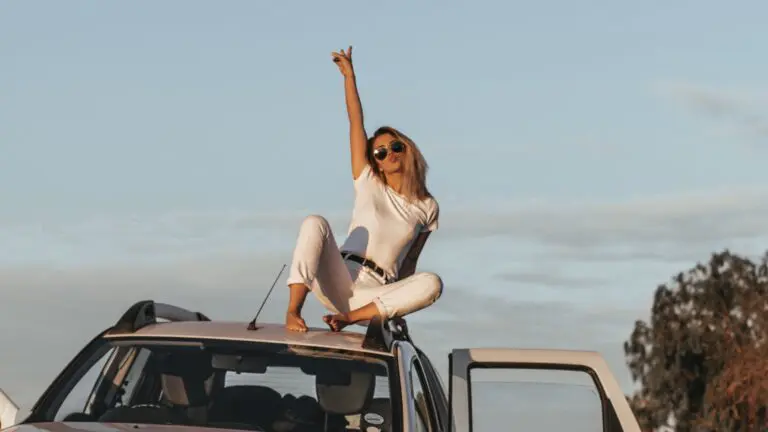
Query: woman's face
x=389, y=153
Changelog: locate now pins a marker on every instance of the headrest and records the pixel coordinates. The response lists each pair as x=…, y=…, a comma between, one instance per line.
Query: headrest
x=179, y=392
x=186, y=364
x=344, y=392
x=187, y=377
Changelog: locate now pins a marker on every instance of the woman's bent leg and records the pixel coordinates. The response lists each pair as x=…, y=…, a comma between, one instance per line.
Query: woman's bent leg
x=397, y=299
x=317, y=266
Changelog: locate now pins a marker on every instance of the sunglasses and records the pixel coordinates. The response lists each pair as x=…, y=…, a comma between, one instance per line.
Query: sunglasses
x=380, y=153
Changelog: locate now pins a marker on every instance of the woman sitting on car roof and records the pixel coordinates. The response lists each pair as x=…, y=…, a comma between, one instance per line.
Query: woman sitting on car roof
x=373, y=273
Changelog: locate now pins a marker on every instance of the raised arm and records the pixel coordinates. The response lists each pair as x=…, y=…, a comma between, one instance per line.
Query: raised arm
x=357, y=135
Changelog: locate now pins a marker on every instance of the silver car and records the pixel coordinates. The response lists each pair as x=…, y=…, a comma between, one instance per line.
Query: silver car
x=161, y=367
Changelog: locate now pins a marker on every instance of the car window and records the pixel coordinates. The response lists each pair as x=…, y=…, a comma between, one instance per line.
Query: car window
x=420, y=398
x=79, y=399
x=128, y=366
x=291, y=383
x=134, y=370
x=526, y=398
x=217, y=384
x=75, y=401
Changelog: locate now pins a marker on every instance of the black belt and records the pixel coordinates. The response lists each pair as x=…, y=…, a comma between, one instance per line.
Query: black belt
x=366, y=262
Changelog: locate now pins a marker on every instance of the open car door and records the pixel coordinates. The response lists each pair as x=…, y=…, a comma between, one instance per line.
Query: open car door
x=609, y=405
x=8, y=411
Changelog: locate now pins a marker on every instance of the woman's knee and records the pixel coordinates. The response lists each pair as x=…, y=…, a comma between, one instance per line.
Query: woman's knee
x=414, y=293
x=433, y=285
x=316, y=223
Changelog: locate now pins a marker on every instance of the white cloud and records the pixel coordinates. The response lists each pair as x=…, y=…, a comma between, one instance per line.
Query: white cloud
x=682, y=226
x=679, y=225
x=744, y=112
x=552, y=277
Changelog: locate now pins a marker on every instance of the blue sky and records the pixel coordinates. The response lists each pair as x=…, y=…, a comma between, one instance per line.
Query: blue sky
x=582, y=153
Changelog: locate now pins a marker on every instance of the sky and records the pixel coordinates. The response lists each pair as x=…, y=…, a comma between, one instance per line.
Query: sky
x=582, y=154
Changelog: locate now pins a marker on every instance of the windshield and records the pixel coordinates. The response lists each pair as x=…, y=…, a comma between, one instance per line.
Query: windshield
x=220, y=384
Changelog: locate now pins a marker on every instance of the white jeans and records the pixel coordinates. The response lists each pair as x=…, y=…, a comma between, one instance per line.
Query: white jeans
x=342, y=285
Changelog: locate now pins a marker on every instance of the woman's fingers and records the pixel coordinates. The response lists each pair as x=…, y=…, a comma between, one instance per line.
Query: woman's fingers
x=347, y=54
x=343, y=60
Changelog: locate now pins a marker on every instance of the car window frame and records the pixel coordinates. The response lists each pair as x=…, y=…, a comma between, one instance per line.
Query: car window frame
x=408, y=359
x=436, y=389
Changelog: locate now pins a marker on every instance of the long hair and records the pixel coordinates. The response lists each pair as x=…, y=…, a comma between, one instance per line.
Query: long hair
x=415, y=167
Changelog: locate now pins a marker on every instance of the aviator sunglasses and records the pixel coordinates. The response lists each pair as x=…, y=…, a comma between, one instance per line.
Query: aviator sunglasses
x=381, y=152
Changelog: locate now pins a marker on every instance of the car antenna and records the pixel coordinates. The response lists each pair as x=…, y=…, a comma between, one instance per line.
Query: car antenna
x=252, y=324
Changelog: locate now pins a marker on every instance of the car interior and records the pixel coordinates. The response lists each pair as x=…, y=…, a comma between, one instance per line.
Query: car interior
x=159, y=384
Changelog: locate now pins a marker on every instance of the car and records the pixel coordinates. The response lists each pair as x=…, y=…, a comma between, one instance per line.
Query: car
x=161, y=366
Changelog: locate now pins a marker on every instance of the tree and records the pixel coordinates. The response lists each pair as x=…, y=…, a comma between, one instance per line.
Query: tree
x=702, y=360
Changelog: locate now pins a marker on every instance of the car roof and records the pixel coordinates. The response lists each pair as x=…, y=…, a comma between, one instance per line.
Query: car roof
x=239, y=331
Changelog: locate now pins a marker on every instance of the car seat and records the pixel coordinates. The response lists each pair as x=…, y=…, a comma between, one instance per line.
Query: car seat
x=343, y=392
x=253, y=405
x=187, y=381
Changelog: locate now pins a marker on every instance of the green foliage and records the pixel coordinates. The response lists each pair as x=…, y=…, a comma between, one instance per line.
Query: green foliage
x=705, y=326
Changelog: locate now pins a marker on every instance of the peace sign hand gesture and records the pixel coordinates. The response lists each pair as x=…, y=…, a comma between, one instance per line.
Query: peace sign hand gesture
x=344, y=61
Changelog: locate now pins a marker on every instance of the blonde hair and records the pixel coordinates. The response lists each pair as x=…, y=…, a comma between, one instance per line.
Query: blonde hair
x=415, y=166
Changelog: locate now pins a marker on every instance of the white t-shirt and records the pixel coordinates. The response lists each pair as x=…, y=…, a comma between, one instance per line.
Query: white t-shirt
x=384, y=224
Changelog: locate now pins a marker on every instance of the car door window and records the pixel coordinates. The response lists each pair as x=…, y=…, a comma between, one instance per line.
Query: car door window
x=130, y=369
x=420, y=399
x=530, y=396
x=77, y=400
x=135, y=372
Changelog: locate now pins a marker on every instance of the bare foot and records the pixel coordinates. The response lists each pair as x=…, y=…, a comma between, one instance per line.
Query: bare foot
x=337, y=321
x=294, y=322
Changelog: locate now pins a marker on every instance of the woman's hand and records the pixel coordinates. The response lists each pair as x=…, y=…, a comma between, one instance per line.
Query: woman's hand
x=344, y=61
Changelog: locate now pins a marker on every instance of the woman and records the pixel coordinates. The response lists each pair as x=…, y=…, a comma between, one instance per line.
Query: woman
x=373, y=273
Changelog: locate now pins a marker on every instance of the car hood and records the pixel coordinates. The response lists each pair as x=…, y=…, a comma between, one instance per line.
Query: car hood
x=106, y=427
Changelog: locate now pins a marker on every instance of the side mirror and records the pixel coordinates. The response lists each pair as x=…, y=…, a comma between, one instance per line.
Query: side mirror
x=8, y=411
